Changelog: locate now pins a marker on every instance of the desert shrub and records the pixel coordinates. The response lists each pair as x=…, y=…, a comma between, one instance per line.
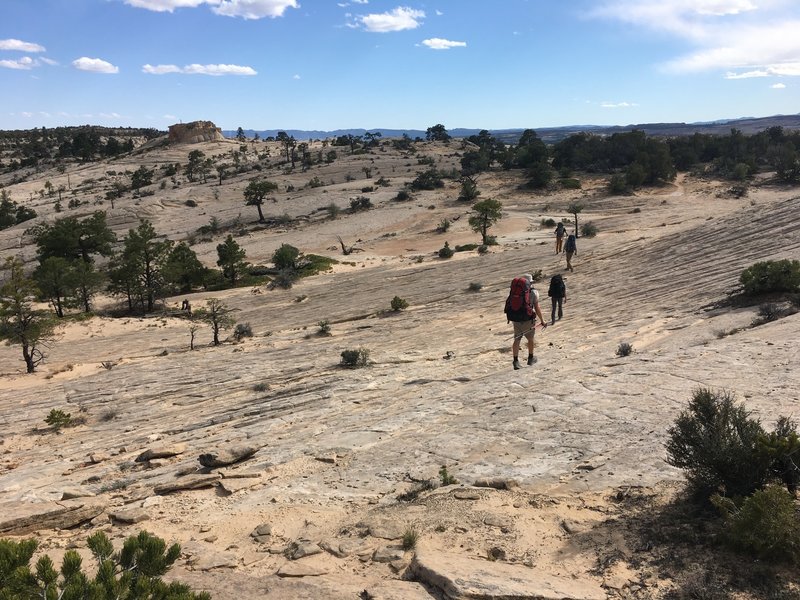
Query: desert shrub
x=570, y=183
x=258, y=270
x=134, y=572
x=360, y=203
x=444, y=226
x=445, y=251
x=483, y=249
x=466, y=247
x=286, y=257
x=588, y=229
x=402, y=196
x=765, y=525
x=446, y=478
x=782, y=448
x=190, y=203
x=355, y=358
x=57, y=419
x=399, y=304
x=427, y=180
x=768, y=312
x=548, y=222
x=284, y=279
x=333, y=210
x=636, y=211
x=315, y=182
x=367, y=189
x=716, y=442
x=624, y=349
x=475, y=286
x=241, y=331
x=324, y=327
x=410, y=538
x=617, y=184
x=383, y=182
x=771, y=276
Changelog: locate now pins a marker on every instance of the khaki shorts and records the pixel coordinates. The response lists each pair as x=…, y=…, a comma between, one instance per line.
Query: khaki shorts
x=523, y=329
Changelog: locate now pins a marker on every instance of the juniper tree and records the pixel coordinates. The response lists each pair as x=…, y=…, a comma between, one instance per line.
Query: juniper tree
x=486, y=213
x=217, y=316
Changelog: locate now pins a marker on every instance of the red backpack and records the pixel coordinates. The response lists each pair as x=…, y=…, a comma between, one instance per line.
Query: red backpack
x=518, y=304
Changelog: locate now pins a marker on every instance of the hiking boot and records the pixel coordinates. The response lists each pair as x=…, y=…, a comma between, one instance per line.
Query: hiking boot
x=516, y=364
x=531, y=359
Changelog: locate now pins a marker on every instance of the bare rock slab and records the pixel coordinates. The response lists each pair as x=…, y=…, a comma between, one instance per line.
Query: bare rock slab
x=129, y=515
x=28, y=517
x=226, y=456
x=161, y=452
x=468, y=578
x=398, y=590
x=190, y=482
x=303, y=568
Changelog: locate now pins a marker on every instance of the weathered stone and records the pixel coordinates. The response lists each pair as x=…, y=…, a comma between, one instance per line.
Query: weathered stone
x=498, y=483
x=343, y=548
x=195, y=132
x=467, y=495
x=98, y=457
x=190, y=482
x=205, y=558
x=265, y=529
x=497, y=521
x=571, y=526
x=28, y=517
x=398, y=590
x=387, y=554
x=387, y=530
x=591, y=465
x=301, y=569
x=129, y=515
x=161, y=452
x=72, y=493
x=226, y=456
x=459, y=577
x=304, y=548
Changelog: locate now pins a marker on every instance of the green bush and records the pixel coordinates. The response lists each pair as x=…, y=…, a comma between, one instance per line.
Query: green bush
x=355, y=358
x=624, y=349
x=466, y=247
x=446, y=478
x=241, y=331
x=58, y=418
x=548, y=222
x=286, y=257
x=360, y=203
x=399, y=304
x=771, y=276
x=588, y=229
x=570, y=183
x=444, y=226
x=765, y=525
x=716, y=442
x=402, y=196
x=133, y=573
x=617, y=184
x=446, y=251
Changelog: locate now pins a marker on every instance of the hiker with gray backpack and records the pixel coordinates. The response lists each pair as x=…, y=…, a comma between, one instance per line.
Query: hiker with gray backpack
x=522, y=308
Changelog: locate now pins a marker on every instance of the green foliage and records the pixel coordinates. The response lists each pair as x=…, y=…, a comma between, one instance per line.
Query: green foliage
x=402, y=196
x=11, y=213
x=58, y=418
x=410, y=539
x=141, y=177
x=548, y=222
x=315, y=182
x=255, y=193
x=231, y=259
x=355, y=358
x=217, y=315
x=716, y=442
x=437, y=133
x=588, y=229
x=360, y=203
x=570, y=183
x=71, y=238
x=469, y=190
x=399, y=304
x=485, y=214
x=475, y=286
x=333, y=210
x=286, y=257
x=617, y=184
x=241, y=331
x=134, y=573
x=427, y=180
x=324, y=327
x=446, y=251
x=624, y=349
x=782, y=448
x=466, y=247
x=446, y=478
x=765, y=525
x=771, y=276
x=182, y=270
x=443, y=226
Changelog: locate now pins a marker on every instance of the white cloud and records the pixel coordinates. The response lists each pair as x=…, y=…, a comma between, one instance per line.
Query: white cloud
x=24, y=64
x=441, y=44
x=741, y=37
x=398, y=19
x=360, y=1
x=12, y=44
x=48, y=61
x=778, y=86
x=95, y=65
x=295, y=76
x=253, y=9
x=195, y=69
x=618, y=104
x=164, y=5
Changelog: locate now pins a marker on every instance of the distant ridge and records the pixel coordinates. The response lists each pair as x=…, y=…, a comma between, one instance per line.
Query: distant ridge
x=747, y=125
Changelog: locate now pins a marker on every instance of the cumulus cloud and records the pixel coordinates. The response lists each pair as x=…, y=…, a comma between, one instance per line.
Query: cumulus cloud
x=442, y=44
x=618, y=104
x=399, y=19
x=778, y=86
x=95, y=65
x=195, y=69
x=23, y=64
x=741, y=37
x=12, y=44
x=247, y=9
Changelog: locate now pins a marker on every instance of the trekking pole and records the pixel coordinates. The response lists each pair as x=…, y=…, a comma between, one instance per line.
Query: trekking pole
x=521, y=335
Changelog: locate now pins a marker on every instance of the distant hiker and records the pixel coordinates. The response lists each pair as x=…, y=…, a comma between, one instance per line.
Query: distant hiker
x=522, y=308
x=561, y=233
x=570, y=248
x=558, y=295
x=186, y=306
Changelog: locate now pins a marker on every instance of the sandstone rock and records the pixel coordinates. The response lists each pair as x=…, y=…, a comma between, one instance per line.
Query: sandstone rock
x=129, y=515
x=326, y=458
x=161, y=452
x=262, y=533
x=571, y=527
x=398, y=590
x=387, y=554
x=498, y=521
x=301, y=569
x=98, y=457
x=20, y=518
x=233, y=485
x=387, y=530
x=467, y=495
x=204, y=558
x=190, y=482
x=226, y=456
x=195, y=132
x=302, y=549
x=344, y=548
x=498, y=483
x=459, y=577
x=72, y=493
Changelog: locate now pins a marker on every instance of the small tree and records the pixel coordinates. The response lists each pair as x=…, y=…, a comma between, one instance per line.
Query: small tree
x=487, y=213
x=20, y=323
x=256, y=192
x=217, y=316
x=469, y=189
x=231, y=259
x=286, y=257
x=574, y=208
x=771, y=276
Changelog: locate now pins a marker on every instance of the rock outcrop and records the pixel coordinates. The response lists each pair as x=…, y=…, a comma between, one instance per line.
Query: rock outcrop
x=194, y=132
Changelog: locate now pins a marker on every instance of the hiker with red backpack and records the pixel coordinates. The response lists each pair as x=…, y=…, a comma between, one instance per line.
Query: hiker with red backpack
x=522, y=308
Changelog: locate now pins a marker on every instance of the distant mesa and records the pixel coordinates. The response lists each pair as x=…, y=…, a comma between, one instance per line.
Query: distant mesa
x=194, y=132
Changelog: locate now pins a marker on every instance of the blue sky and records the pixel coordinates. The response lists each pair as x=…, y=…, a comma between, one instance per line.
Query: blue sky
x=329, y=64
